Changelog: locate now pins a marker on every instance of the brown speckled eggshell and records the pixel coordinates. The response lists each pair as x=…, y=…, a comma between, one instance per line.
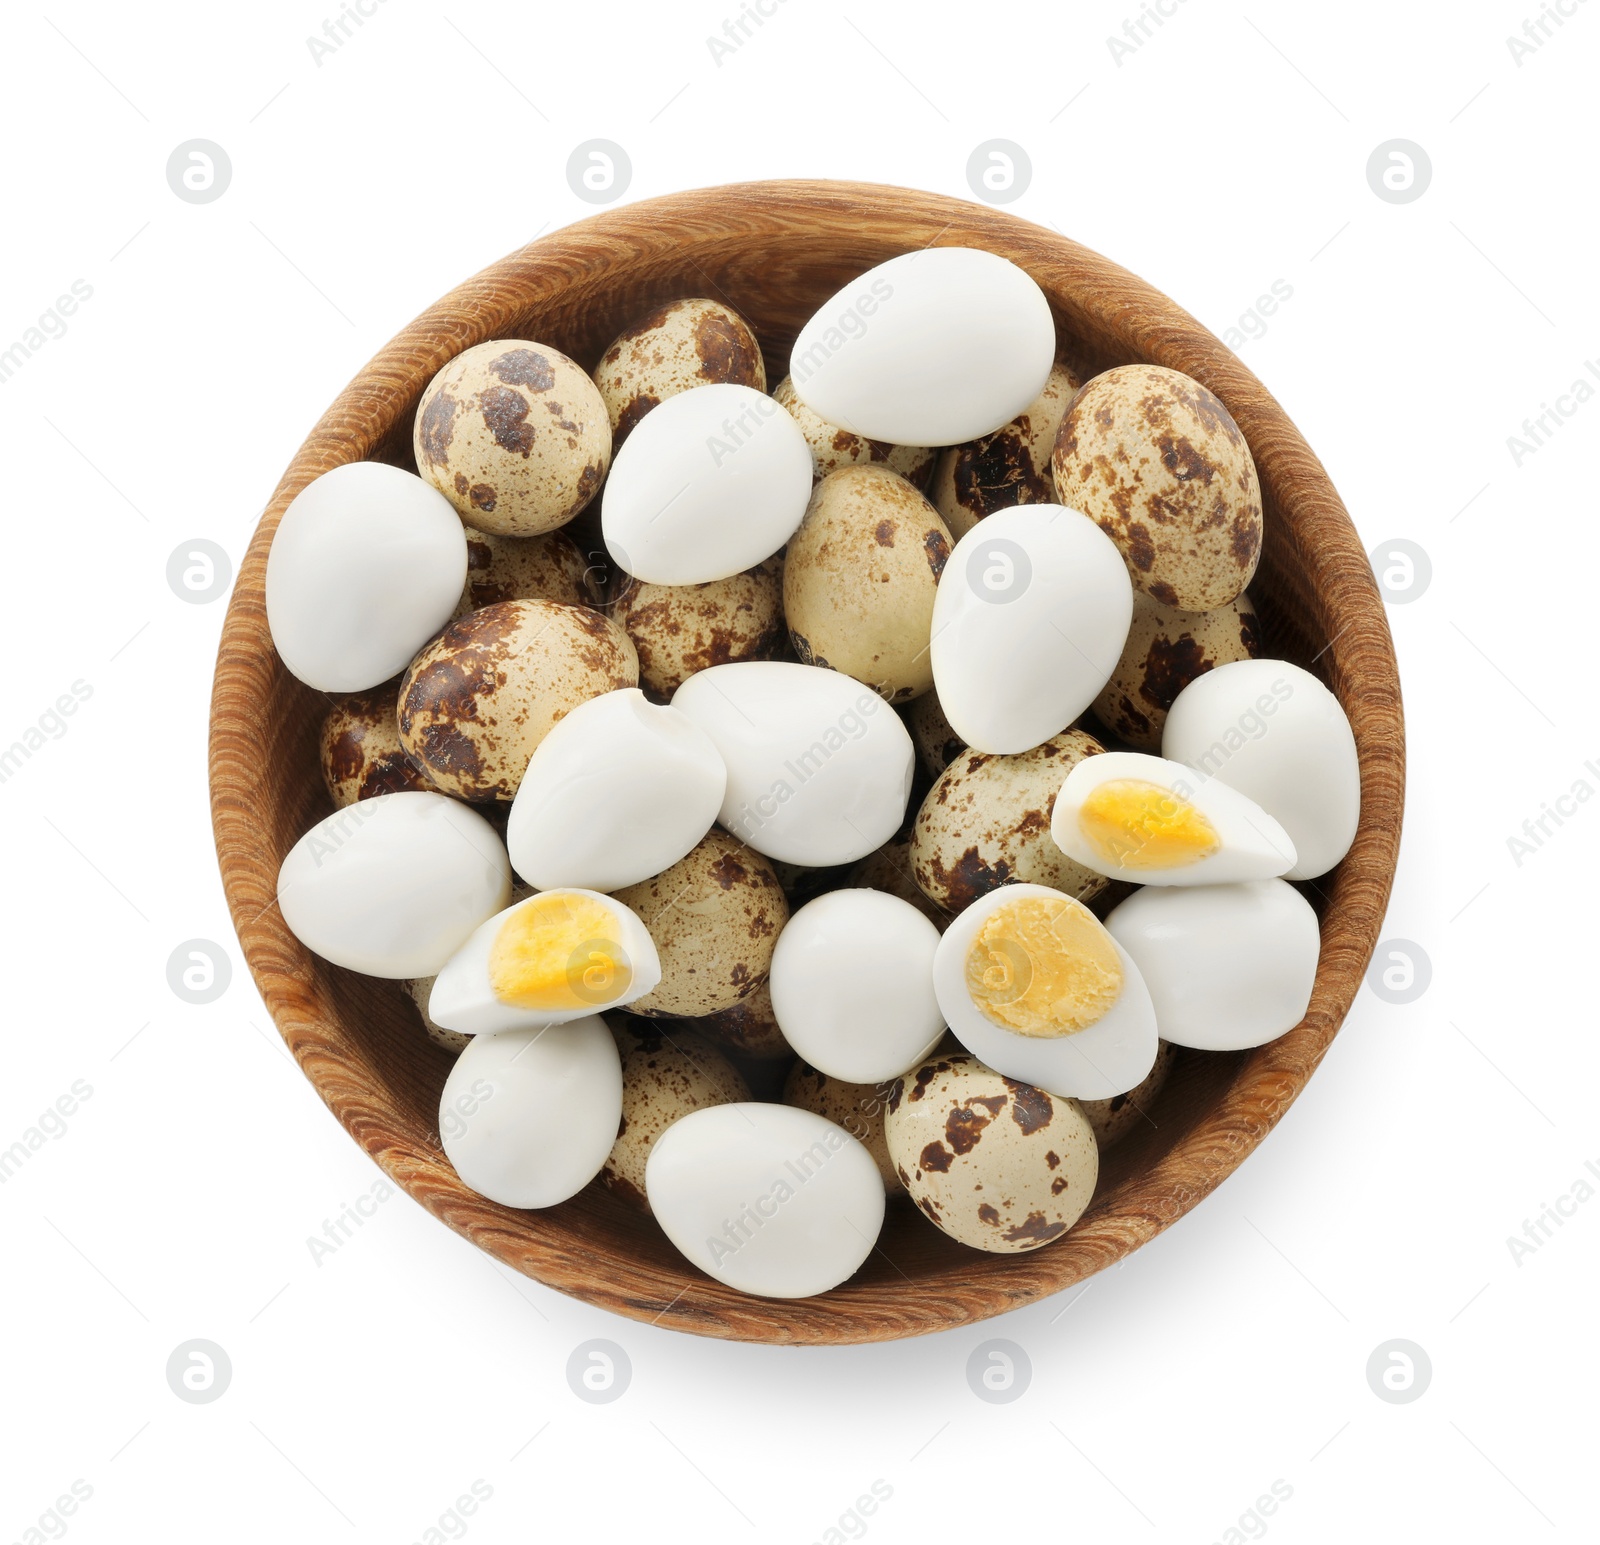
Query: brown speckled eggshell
x=986, y=823
x=361, y=752
x=937, y=743
x=715, y=916
x=667, y=1071
x=1113, y=1119
x=1158, y=462
x=526, y=568
x=859, y=579
x=481, y=696
x=1165, y=651
x=680, y=629
x=418, y=991
x=515, y=436
x=749, y=1028
x=858, y=1108
x=998, y=1165
x=1006, y=468
x=684, y=344
x=833, y=447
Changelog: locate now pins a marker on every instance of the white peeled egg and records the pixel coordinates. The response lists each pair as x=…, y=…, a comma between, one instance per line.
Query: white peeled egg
x=1275, y=733
x=619, y=790
x=933, y=347
x=528, y=1117
x=1029, y=621
x=852, y=985
x=707, y=485
x=768, y=1199
x=366, y=565
x=1034, y=977
x=393, y=886
x=1228, y=966
x=819, y=766
x=556, y=956
x=1143, y=819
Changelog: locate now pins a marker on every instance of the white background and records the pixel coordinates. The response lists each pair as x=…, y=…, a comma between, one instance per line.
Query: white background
x=1227, y=152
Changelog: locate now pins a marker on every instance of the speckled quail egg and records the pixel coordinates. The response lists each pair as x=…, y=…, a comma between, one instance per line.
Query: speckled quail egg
x=858, y=1108
x=859, y=580
x=1166, y=650
x=1158, y=462
x=1228, y=966
x=715, y=916
x=514, y=435
x=1010, y=466
x=394, y=885
x=889, y=869
x=986, y=823
x=417, y=989
x=683, y=344
x=937, y=743
x=1275, y=733
x=667, y=1071
x=680, y=629
x=1115, y=1118
x=997, y=1164
x=477, y=701
x=833, y=447
x=1031, y=982
x=526, y=568
x=361, y=752
x=748, y=1029
x=1149, y=821
x=557, y=956
x=527, y=1117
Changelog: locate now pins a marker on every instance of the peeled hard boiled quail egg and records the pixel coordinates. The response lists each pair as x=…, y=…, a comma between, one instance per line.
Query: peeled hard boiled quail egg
x=1030, y=982
x=514, y=435
x=931, y=348
x=366, y=565
x=1276, y=734
x=709, y=484
x=1228, y=966
x=1031, y=615
x=852, y=985
x=766, y=1198
x=528, y=1117
x=392, y=886
x=819, y=767
x=1153, y=822
x=833, y=447
x=617, y=791
x=999, y=1165
x=558, y=956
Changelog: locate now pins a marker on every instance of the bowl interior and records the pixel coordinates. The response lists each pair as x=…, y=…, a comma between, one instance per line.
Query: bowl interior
x=775, y=252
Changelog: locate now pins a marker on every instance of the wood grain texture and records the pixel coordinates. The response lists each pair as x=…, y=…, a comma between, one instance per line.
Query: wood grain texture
x=775, y=251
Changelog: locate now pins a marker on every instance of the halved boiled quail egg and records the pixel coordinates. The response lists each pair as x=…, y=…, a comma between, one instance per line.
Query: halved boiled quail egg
x=556, y=956
x=1153, y=822
x=1034, y=987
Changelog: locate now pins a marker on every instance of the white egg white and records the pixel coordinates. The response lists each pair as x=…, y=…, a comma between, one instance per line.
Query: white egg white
x=619, y=790
x=1276, y=734
x=1029, y=620
x=1228, y=966
x=1108, y=1058
x=1253, y=846
x=463, y=998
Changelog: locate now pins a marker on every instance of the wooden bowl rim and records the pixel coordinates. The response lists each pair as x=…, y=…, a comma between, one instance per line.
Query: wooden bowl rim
x=1361, y=665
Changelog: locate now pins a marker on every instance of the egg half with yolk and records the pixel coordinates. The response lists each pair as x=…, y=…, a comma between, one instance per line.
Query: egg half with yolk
x=1032, y=985
x=1153, y=822
x=556, y=956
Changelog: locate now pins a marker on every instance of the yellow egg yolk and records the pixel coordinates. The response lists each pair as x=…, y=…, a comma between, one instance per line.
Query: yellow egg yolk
x=559, y=951
x=1132, y=824
x=1043, y=966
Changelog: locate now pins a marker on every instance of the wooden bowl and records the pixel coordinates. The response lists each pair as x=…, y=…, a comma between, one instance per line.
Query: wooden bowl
x=775, y=251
